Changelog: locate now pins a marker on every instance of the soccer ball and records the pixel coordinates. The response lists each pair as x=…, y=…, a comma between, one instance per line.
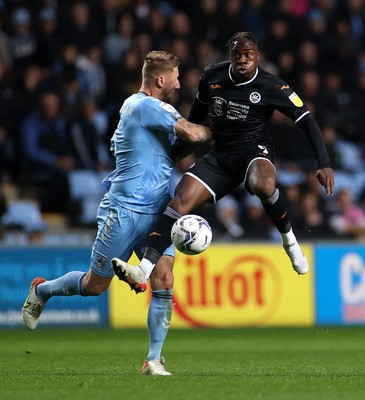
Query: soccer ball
x=191, y=234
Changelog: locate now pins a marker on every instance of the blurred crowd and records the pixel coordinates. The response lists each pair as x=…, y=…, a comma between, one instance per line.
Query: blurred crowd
x=67, y=66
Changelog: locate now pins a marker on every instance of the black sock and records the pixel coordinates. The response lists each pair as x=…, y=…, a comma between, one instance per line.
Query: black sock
x=160, y=237
x=276, y=208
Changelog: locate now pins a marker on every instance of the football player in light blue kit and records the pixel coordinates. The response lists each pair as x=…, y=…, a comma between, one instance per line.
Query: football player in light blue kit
x=138, y=191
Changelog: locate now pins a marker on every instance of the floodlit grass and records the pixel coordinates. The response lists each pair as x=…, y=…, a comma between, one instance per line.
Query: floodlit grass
x=93, y=364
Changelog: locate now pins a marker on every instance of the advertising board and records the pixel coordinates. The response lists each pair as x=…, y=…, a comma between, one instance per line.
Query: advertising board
x=340, y=284
x=19, y=266
x=227, y=286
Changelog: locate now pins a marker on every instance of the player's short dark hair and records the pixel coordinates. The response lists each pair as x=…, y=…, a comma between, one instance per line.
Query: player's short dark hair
x=157, y=62
x=244, y=36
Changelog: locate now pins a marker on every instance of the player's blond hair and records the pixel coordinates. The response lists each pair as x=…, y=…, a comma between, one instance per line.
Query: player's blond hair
x=157, y=62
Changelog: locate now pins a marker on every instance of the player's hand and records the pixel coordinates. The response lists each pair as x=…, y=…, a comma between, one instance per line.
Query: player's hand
x=326, y=179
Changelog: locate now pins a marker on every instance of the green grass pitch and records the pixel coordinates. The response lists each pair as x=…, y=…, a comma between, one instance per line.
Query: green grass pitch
x=93, y=364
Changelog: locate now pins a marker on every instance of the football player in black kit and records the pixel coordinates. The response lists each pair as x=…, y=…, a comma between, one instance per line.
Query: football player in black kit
x=239, y=98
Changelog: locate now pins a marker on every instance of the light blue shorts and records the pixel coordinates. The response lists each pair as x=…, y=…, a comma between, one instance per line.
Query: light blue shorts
x=120, y=232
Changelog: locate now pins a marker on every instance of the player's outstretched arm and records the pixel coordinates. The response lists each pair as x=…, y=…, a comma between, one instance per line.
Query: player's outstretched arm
x=324, y=173
x=190, y=132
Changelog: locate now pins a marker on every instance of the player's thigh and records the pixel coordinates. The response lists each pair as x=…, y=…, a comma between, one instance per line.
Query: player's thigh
x=261, y=177
x=209, y=174
x=117, y=236
x=190, y=193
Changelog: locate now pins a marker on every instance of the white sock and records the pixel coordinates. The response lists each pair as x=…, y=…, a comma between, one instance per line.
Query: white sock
x=147, y=267
x=288, y=238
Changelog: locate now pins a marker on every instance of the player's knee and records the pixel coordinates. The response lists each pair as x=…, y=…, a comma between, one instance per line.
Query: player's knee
x=168, y=280
x=180, y=203
x=163, y=281
x=263, y=188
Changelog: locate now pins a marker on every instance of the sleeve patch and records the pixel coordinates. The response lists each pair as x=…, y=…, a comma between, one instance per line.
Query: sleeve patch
x=172, y=110
x=168, y=107
x=296, y=100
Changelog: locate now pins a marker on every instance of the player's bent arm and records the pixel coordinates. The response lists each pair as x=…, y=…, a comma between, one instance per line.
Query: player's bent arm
x=198, y=111
x=181, y=149
x=192, y=133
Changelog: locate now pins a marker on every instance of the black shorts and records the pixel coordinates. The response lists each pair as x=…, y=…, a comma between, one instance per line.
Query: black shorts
x=221, y=172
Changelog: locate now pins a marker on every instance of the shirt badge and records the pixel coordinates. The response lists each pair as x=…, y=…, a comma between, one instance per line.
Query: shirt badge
x=255, y=97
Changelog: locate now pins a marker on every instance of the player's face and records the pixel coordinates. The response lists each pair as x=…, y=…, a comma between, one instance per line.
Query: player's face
x=171, y=83
x=244, y=58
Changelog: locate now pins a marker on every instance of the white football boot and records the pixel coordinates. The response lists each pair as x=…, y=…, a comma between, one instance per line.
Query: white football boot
x=33, y=307
x=297, y=258
x=155, y=367
x=130, y=274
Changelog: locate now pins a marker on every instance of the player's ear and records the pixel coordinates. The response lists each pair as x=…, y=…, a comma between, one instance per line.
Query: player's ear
x=160, y=81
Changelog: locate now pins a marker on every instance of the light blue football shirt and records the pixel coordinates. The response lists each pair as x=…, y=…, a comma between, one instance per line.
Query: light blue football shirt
x=142, y=147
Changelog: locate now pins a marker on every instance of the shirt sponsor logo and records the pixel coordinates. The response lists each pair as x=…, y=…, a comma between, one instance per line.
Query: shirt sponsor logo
x=233, y=111
x=255, y=97
x=237, y=112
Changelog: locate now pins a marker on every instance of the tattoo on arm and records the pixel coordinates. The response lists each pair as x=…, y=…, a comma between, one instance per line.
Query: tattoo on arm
x=190, y=132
